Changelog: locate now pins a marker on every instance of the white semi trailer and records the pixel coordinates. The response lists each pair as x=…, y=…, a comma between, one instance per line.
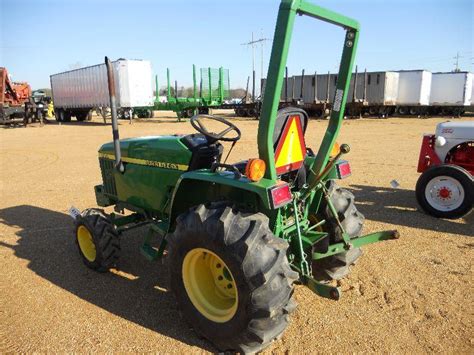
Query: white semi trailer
x=451, y=93
x=77, y=92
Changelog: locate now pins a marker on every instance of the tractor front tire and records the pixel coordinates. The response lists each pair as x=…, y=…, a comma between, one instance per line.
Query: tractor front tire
x=231, y=277
x=337, y=266
x=97, y=240
x=445, y=191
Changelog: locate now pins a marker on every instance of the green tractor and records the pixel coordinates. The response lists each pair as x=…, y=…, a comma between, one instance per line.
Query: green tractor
x=237, y=237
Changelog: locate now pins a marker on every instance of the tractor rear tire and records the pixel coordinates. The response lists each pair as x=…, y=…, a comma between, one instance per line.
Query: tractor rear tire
x=253, y=263
x=337, y=266
x=97, y=239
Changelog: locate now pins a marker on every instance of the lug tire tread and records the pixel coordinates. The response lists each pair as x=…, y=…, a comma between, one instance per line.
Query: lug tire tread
x=105, y=236
x=266, y=280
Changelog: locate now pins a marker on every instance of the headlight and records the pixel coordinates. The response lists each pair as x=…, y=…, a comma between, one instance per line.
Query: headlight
x=440, y=141
x=40, y=105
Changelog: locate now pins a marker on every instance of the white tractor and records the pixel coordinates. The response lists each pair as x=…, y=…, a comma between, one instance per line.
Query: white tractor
x=445, y=188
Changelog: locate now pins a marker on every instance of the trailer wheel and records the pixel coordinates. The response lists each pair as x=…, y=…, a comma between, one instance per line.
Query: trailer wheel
x=97, y=240
x=402, y=110
x=150, y=113
x=373, y=110
x=231, y=277
x=241, y=112
x=89, y=115
x=59, y=115
x=67, y=116
x=190, y=112
x=337, y=266
x=414, y=111
x=81, y=116
x=252, y=112
x=445, y=191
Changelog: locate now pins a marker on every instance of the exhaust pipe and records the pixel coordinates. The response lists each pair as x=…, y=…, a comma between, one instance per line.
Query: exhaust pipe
x=113, y=108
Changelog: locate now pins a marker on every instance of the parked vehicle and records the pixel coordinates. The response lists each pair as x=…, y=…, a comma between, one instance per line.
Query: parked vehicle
x=13, y=96
x=77, y=92
x=384, y=93
x=413, y=92
x=451, y=93
x=237, y=235
x=38, y=107
x=445, y=188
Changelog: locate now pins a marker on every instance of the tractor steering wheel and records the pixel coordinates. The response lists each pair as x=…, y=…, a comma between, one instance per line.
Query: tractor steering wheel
x=199, y=126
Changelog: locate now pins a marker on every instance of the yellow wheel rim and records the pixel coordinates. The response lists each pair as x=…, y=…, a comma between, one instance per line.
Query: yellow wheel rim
x=86, y=243
x=210, y=285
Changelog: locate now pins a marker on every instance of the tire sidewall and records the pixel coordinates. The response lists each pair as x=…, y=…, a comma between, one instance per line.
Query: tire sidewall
x=208, y=328
x=455, y=172
x=97, y=264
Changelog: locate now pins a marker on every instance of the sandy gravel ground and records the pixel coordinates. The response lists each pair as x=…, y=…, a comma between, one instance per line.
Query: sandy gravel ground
x=413, y=295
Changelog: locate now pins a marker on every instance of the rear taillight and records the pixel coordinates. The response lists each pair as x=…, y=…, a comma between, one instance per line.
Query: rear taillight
x=343, y=169
x=280, y=195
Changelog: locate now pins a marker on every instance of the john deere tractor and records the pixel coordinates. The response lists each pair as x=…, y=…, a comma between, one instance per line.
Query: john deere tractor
x=236, y=236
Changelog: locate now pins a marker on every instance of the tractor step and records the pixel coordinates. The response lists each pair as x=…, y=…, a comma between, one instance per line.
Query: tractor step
x=150, y=253
x=156, y=229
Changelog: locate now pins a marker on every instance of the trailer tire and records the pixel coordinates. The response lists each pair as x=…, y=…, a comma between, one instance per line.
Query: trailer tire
x=253, y=262
x=97, y=240
x=150, y=113
x=414, y=111
x=252, y=112
x=81, y=116
x=373, y=110
x=402, y=110
x=241, y=112
x=337, y=266
x=67, y=116
x=190, y=113
x=59, y=115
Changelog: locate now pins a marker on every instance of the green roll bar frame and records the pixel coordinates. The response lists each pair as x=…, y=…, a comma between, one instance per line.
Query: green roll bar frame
x=282, y=38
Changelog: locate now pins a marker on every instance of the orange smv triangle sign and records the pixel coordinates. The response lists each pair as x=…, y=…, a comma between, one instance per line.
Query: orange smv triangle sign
x=291, y=149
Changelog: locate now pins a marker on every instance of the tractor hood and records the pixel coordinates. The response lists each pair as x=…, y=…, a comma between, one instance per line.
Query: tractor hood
x=456, y=130
x=159, y=151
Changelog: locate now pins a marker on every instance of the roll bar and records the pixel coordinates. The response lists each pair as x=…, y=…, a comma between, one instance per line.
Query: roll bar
x=276, y=72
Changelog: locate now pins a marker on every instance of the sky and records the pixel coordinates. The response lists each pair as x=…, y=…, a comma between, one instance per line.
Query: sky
x=43, y=37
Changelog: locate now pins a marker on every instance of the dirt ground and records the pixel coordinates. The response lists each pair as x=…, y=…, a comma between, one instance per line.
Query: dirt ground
x=413, y=295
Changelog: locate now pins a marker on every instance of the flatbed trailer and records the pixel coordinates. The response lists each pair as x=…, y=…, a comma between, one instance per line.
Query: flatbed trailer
x=213, y=89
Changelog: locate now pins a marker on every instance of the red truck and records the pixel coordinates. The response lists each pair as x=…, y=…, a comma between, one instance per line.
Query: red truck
x=13, y=97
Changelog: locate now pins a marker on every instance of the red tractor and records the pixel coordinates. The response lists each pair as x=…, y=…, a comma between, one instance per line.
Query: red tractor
x=445, y=188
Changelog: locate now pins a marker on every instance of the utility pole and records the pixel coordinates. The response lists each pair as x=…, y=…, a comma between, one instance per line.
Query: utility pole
x=456, y=69
x=253, y=43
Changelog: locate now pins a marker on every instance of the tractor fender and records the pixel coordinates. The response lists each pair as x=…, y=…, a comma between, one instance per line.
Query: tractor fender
x=198, y=187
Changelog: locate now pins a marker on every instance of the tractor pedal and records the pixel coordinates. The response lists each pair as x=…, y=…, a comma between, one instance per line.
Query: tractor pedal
x=150, y=253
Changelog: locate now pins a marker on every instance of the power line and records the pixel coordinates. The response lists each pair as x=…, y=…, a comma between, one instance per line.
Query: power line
x=253, y=43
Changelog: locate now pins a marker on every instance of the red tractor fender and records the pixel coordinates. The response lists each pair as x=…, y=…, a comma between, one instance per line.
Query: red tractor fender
x=428, y=156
